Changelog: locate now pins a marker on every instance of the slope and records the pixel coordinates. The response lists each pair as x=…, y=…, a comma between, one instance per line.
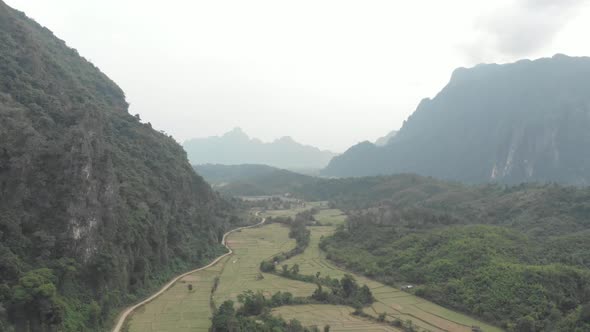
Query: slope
x=253, y=180
x=96, y=206
x=524, y=121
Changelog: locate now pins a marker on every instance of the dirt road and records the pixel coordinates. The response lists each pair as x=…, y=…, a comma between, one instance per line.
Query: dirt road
x=125, y=314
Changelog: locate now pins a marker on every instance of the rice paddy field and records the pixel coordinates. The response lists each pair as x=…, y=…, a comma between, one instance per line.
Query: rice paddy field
x=339, y=318
x=181, y=309
x=241, y=272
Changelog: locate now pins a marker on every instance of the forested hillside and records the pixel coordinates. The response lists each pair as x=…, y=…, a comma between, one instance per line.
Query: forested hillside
x=514, y=256
x=253, y=180
x=521, y=122
x=96, y=207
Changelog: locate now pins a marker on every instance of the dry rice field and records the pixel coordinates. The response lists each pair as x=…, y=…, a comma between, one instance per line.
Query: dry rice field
x=179, y=309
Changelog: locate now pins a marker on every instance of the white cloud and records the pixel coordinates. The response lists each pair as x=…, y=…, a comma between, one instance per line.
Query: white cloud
x=519, y=28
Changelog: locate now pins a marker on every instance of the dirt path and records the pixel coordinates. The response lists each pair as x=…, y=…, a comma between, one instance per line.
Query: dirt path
x=125, y=314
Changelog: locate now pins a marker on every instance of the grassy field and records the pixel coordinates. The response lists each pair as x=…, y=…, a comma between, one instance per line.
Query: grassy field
x=251, y=246
x=179, y=309
x=394, y=302
x=339, y=318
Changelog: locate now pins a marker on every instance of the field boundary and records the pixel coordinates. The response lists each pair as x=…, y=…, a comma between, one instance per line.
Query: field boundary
x=126, y=312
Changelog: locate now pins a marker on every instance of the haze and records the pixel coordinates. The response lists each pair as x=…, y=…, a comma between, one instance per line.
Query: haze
x=327, y=73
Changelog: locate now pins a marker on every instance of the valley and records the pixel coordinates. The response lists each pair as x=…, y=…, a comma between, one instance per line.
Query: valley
x=180, y=309
x=473, y=214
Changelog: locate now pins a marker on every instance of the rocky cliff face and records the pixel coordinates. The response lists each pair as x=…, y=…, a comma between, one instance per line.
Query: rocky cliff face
x=95, y=205
x=526, y=121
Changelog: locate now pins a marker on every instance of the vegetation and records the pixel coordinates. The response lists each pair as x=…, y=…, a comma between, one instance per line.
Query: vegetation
x=179, y=308
x=297, y=231
x=97, y=207
x=346, y=291
x=241, y=272
x=331, y=318
x=514, y=256
x=252, y=180
x=228, y=319
x=404, y=310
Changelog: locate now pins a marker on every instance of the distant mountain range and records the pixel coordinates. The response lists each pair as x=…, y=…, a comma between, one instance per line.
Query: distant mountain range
x=511, y=123
x=382, y=141
x=235, y=147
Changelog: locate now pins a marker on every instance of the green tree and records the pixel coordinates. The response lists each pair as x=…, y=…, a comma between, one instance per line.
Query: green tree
x=224, y=319
x=35, y=295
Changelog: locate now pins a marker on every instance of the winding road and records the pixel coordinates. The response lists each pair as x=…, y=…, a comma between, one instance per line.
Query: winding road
x=125, y=314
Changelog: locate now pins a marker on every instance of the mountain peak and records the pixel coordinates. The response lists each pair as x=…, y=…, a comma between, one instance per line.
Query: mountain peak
x=509, y=123
x=382, y=141
x=236, y=133
x=235, y=147
x=286, y=139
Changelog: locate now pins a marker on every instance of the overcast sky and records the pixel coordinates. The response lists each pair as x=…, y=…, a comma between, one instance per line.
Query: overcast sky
x=327, y=73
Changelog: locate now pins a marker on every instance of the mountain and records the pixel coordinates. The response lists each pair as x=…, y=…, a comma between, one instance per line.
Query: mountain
x=235, y=148
x=382, y=141
x=97, y=207
x=524, y=121
x=253, y=180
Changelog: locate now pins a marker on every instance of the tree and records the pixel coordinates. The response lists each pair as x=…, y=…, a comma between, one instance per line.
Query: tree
x=224, y=318
x=190, y=287
x=319, y=294
x=326, y=328
x=266, y=266
x=35, y=295
x=585, y=313
x=525, y=324
x=94, y=311
x=295, y=269
x=349, y=285
x=252, y=303
x=294, y=326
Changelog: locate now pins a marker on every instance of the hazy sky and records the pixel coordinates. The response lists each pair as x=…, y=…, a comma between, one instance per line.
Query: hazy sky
x=327, y=73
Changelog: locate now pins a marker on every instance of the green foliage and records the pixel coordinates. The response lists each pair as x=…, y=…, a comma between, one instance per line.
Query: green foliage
x=501, y=253
x=254, y=314
x=110, y=205
x=267, y=266
x=252, y=180
x=345, y=291
x=484, y=270
x=224, y=318
x=297, y=231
